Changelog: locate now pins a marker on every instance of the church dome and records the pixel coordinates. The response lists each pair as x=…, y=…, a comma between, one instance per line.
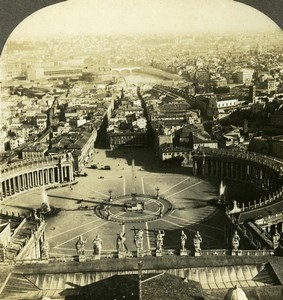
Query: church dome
x=236, y=294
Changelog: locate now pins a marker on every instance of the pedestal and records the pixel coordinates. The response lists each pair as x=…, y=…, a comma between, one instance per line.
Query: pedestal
x=197, y=254
x=183, y=252
x=158, y=253
x=82, y=258
x=45, y=260
x=96, y=256
x=121, y=254
x=236, y=253
x=140, y=253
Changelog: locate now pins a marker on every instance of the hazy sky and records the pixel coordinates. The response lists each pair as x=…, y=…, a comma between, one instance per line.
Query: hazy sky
x=142, y=16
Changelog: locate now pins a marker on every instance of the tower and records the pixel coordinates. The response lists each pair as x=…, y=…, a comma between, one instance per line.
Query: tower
x=252, y=93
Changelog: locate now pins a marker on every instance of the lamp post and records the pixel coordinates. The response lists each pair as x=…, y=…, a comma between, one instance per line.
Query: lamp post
x=110, y=195
x=140, y=278
x=157, y=192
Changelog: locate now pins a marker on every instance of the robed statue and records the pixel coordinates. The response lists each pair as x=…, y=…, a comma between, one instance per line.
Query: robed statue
x=139, y=240
x=80, y=245
x=275, y=239
x=159, y=240
x=197, y=242
x=235, y=241
x=121, y=239
x=97, y=245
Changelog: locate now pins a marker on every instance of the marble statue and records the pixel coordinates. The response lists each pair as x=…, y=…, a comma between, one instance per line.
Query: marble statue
x=275, y=239
x=80, y=245
x=121, y=239
x=97, y=245
x=44, y=249
x=183, y=240
x=139, y=240
x=159, y=239
x=235, y=241
x=197, y=242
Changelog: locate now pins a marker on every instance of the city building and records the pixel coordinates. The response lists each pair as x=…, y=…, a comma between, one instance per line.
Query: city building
x=227, y=101
x=35, y=151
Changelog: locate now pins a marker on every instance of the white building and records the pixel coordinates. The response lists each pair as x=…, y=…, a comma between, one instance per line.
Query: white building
x=227, y=101
x=34, y=73
x=140, y=123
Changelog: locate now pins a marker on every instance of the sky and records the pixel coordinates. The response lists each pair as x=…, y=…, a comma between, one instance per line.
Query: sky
x=98, y=17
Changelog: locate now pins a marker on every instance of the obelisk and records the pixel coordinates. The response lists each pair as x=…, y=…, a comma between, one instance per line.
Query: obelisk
x=134, y=192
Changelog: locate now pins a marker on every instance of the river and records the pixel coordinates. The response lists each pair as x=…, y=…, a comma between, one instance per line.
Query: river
x=142, y=78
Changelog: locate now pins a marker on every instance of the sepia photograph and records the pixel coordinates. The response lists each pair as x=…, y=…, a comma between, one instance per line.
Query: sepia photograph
x=141, y=150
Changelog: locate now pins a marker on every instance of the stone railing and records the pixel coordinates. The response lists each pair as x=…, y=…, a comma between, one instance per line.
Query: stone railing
x=258, y=203
x=31, y=240
x=270, y=219
x=165, y=252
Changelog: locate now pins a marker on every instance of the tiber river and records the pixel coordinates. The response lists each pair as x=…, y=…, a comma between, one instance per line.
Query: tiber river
x=127, y=77
x=136, y=78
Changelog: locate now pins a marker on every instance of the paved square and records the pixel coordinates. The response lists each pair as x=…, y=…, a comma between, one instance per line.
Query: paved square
x=192, y=203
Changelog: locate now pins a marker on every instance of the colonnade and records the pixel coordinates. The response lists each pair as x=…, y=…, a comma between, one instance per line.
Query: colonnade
x=239, y=170
x=28, y=178
x=261, y=172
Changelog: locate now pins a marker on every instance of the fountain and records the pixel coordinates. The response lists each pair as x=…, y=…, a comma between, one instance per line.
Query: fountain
x=46, y=209
x=222, y=197
x=45, y=205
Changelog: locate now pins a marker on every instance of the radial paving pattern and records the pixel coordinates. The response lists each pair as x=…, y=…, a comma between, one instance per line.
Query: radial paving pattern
x=134, y=209
x=186, y=203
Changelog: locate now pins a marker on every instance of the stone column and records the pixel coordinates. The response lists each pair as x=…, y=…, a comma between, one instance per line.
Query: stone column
x=20, y=178
x=53, y=175
x=17, y=184
x=216, y=167
x=227, y=168
x=71, y=175
x=2, y=191
x=195, y=167
x=50, y=175
x=236, y=171
x=61, y=174
x=14, y=184
x=8, y=187
x=24, y=181
x=36, y=178
x=30, y=179
x=44, y=177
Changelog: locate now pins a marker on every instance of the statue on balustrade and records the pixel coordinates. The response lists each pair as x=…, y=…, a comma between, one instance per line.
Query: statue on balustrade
x=139, y=240
x=80, y=245
x=159, y=240
x=121, y=239
x=183, y=240
x=275, y=239
x=235, y=241
x=197, y=242
x=45, y=249
x=97, y=245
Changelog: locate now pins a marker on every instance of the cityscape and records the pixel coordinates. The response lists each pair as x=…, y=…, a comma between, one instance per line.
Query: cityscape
x=141, y=165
